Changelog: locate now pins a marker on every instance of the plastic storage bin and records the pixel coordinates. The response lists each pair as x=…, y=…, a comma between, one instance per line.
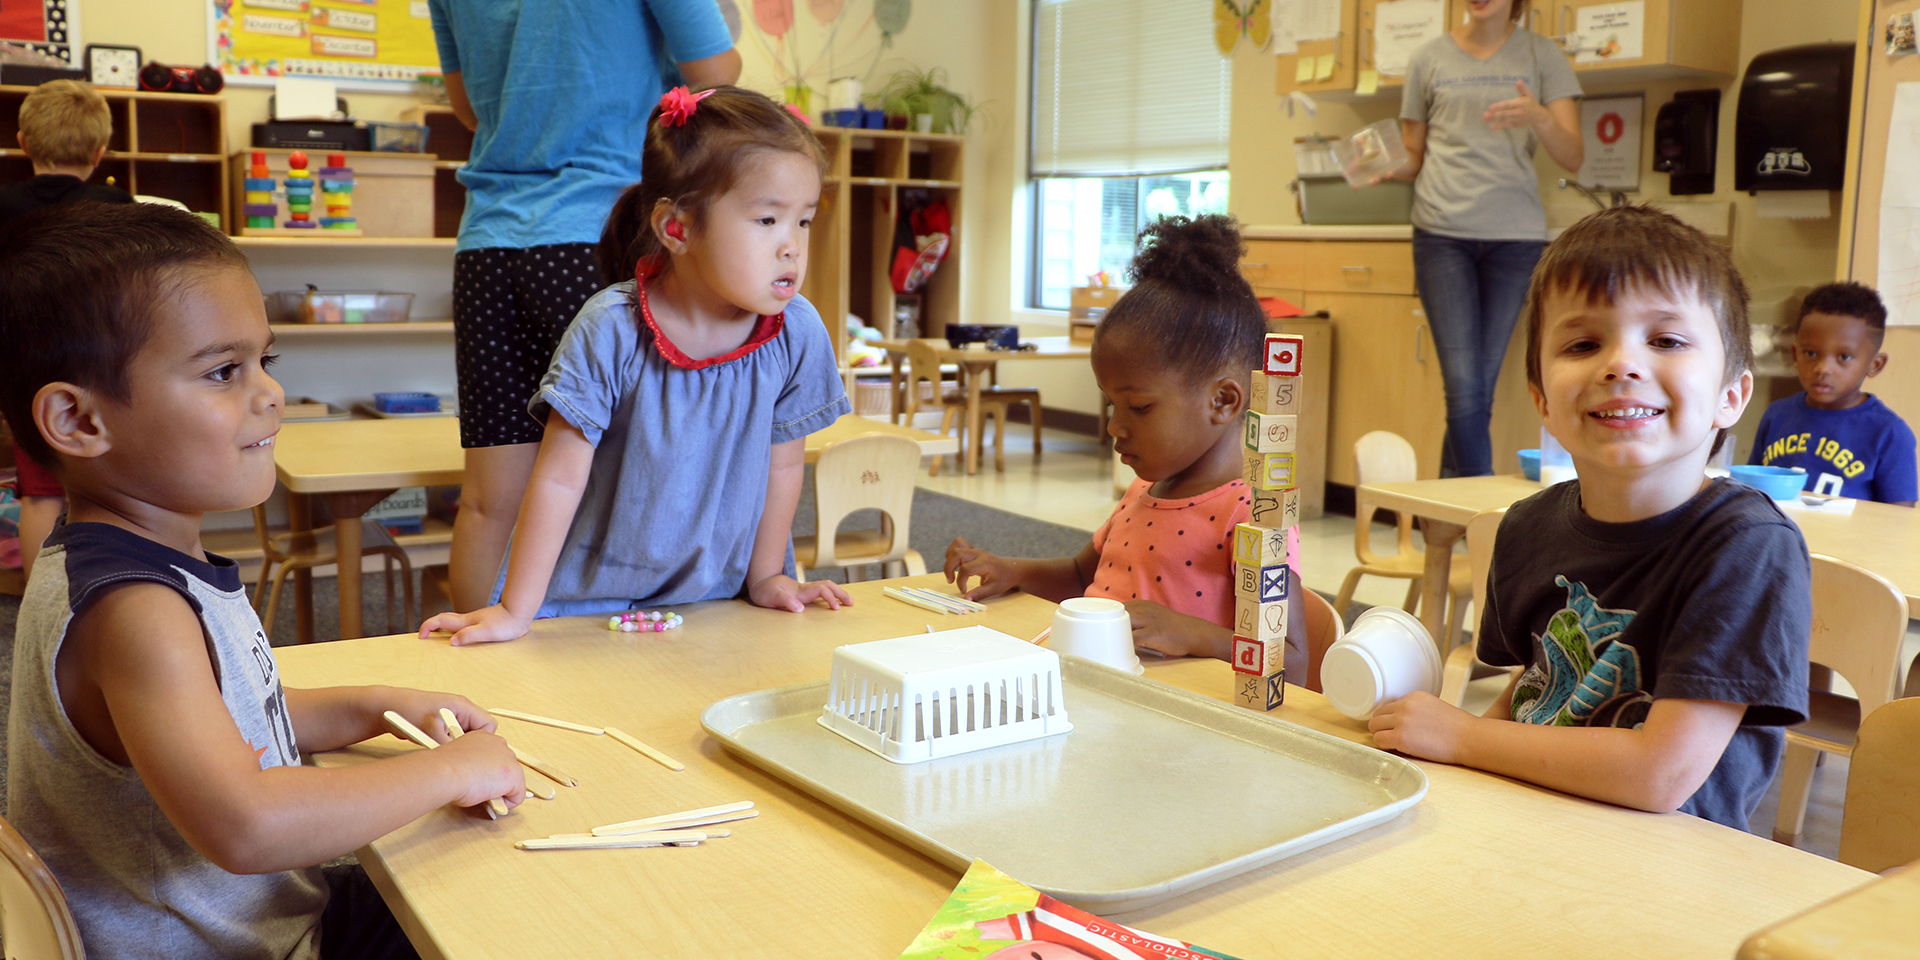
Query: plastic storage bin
x=1374, y=152
x=939, y=694
x=316, y=306
x=390, y=137
x=407, y=402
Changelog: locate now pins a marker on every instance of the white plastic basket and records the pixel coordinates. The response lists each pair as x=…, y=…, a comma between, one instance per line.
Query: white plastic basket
x=939, y=694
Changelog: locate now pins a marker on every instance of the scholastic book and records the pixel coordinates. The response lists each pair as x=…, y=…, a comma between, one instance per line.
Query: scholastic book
x=991, y=916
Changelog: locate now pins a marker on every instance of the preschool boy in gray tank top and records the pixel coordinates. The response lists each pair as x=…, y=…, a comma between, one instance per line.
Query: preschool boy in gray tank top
x=1478, y=183
x=136, y=887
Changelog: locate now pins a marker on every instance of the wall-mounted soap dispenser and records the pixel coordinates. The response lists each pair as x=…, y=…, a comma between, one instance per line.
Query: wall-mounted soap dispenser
x=1686, y=136
x=1790, y=129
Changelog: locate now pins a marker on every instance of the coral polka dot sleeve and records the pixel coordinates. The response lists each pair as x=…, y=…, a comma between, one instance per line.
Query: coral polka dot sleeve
x=1178, y=553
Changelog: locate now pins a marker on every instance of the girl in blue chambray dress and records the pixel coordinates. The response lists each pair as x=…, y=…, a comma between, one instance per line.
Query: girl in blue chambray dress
x=678, y=402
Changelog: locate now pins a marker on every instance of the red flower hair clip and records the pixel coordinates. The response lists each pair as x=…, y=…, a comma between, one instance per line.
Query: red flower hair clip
x=678, y=104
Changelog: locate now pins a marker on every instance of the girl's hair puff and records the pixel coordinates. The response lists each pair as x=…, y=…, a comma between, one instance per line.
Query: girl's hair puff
x=1190, y=310
x=693, y=163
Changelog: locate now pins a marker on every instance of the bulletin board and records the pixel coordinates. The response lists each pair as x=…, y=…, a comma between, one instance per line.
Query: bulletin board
x=254, y=41
x=45, y=25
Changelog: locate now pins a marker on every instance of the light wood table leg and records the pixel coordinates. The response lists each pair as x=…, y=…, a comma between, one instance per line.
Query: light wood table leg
x=1435, y=590
x=974, y=375
x=896, y=394
x=300, y=520
x=348, y=508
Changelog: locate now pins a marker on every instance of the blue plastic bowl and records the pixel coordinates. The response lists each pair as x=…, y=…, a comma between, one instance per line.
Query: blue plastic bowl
x=1530, y=464
x=1779, y=483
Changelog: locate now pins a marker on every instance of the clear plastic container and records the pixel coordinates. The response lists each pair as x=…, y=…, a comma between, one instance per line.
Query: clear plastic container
x=1371, y=154
x=318, y=306
x=386, y=136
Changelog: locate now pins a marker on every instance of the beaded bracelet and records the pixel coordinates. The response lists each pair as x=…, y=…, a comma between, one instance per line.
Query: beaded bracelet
x=644, y=621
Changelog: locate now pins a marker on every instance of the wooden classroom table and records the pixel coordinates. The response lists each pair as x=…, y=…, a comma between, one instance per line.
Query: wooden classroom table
x=1875, y=922
x=1880, y=537
x=973, y=363
x=1483, y=867
x=354, y=464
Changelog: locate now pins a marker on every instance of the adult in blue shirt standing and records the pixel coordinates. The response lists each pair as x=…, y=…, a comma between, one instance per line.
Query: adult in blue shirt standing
x=557, y=93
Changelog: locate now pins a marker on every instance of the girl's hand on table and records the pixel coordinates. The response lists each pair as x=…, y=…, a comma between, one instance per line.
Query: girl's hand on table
x=490, y=625
x=781, y=592
x=1521, y=112
x=1422, y=725
x=1161, y=630
x=996, y=574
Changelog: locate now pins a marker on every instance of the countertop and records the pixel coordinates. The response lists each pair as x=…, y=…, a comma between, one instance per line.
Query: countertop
x=1302, y=231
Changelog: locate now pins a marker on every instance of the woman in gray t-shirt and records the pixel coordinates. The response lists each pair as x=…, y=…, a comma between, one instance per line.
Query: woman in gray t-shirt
x=1478, y=100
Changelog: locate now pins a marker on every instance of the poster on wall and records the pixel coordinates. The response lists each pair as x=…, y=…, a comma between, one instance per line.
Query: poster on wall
x=1610, y=31
x=255, y=41
x=1400, y=27
x=44, y=25
x=1610, y=133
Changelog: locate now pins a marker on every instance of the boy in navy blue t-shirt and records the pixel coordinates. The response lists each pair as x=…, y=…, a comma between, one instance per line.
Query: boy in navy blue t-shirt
x=1849, y=443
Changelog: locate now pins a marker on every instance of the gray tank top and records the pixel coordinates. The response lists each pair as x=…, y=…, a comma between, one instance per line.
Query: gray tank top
x=136, y=887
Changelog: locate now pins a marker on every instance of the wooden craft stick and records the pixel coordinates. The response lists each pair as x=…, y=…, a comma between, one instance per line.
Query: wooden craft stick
x=496, y=807
x=543, y=768
x=952, y=604
x=621, y=831
x=591, y=843
x=534, y=787
x=547, y=721
x=646, y=751
x=405, y=728
x=912, y=600
x=680, y=816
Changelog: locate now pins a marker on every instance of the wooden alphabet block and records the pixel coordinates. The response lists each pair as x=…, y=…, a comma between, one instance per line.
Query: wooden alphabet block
x=1258, y=658
x=1272, y=432
x=1259, y=546
x=1265, y=622
x=1276, y=508
x=1274, y=395
x=1262, y=584
x=1264, y=693
x=1270, y=471
x=1283, y=355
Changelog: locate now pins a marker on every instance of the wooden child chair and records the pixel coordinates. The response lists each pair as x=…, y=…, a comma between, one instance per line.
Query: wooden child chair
x=35, y=921
x=1880, y=827
x=1383, y=456
x=315, y=548
x=924, y=366
x=1859, y=621
x=871, y=472
x=1462, y=660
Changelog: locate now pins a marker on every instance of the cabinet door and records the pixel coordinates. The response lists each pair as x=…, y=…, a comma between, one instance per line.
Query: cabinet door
x=1342, y=51
x=1385, y=377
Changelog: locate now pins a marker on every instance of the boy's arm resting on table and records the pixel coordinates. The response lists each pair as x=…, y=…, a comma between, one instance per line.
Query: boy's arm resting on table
x=1055, y=578
x=553, y=496
x=1656, y=767
x=328, y=718
x=139, y=686
x=767, y=582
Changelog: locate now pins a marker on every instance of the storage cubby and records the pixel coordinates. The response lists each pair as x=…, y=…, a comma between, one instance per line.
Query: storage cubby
x=170, y=145
x=451, y=144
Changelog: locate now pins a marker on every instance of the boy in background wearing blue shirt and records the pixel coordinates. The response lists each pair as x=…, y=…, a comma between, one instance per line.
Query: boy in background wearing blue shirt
x=1849, y=443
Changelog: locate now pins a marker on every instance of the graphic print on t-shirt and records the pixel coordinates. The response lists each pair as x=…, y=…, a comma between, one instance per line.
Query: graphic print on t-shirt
x=1584, y=675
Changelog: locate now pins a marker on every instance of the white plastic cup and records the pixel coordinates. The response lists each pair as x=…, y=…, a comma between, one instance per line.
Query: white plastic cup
x=1098, y=629
x=1386, y=655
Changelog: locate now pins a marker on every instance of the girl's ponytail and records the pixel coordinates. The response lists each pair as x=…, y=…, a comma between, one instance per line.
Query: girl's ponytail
x=626, y=238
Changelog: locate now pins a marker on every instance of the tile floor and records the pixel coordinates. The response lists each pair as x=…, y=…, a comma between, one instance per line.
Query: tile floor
x=1071, y=484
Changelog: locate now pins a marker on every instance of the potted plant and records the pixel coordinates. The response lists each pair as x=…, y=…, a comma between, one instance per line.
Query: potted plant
x=916, y=93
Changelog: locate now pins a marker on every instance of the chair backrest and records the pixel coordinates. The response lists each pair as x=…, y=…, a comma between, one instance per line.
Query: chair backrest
x=35, y=922
x=1880, y=825
x=1324, y=629
x=1859, y=621
x=1381, y=456
x=1480, y=535
x=923, y=364
x=870, y=472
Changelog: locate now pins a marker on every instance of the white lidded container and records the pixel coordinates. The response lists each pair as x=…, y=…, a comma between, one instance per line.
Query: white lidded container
x=939, y=694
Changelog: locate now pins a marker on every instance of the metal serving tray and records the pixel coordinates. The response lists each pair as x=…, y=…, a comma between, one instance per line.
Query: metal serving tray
x=1155, y=792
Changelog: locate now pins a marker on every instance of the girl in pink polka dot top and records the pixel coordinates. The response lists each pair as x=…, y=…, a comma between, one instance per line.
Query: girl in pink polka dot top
x=1174, y=356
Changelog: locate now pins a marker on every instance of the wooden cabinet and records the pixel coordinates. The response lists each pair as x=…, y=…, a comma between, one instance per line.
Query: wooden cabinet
x=171, y=145
x=1681, y=38
x=451, y=143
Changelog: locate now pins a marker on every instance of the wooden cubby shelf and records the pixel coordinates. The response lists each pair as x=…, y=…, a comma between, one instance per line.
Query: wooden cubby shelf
x=170, y=145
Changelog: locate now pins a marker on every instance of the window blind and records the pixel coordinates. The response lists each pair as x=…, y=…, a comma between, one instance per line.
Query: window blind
x=1127, y=88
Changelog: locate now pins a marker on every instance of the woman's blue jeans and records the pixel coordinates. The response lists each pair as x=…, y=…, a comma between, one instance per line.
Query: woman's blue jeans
x=1472, y=291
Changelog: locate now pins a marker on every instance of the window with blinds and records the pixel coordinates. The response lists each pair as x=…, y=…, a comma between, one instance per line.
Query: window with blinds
x=1127, y=88
x=1130, y=120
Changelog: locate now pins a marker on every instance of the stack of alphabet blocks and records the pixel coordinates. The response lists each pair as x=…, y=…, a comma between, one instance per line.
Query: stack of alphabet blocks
x=1263, y=584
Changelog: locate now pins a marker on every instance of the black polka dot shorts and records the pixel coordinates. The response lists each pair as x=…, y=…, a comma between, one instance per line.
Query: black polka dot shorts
x=510, y=306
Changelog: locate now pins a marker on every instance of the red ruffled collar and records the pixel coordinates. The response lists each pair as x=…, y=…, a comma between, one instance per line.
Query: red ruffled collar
x=765, y=328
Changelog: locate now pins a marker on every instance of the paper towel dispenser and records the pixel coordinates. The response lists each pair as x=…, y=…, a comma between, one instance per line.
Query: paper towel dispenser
x=1790, y=129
